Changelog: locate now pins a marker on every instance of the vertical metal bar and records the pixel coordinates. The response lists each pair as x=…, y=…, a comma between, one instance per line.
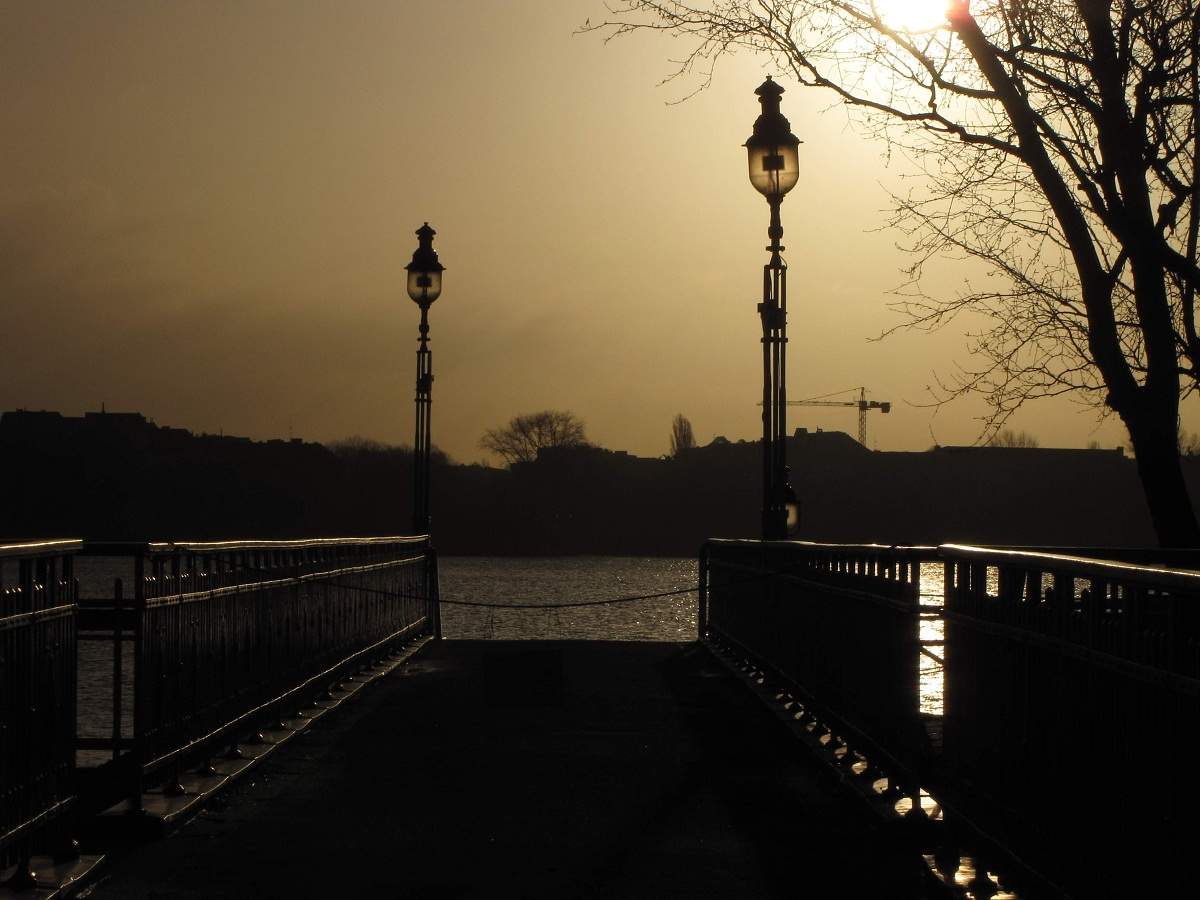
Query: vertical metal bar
x=422, y=443
x=702, y=611
x=781, y=466
x=69, y=721
x=428, y=448
x=25, y=737
x=434, y=592
x=175, y=661
x=140, y=685
x=768, y=427
x=117, y=665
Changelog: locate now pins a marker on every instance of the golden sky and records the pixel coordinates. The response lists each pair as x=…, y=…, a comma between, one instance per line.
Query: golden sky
x=206, y=208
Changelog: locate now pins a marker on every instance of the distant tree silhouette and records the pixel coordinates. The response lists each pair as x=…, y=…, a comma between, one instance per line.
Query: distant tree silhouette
x=357, y=447
x=1006, y=437
x=1059, y=143
x=523, y=436
x=682, y=437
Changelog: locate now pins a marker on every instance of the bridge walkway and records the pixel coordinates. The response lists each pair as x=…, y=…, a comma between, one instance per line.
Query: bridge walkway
x=534, y=769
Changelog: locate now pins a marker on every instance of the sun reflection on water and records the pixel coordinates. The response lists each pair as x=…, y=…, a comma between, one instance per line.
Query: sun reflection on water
x=931, y=684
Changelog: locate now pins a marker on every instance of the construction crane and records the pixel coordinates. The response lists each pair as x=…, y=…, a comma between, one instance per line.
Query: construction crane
x=862, y=403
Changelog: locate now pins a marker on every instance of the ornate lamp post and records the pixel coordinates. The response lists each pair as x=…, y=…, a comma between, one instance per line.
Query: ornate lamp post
x=774, y=170
x=424, y=286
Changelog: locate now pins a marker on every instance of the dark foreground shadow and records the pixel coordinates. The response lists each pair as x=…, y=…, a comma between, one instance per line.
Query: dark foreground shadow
x=535, y=769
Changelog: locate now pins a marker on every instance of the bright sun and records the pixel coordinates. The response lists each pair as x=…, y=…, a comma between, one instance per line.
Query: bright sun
x=912, y=15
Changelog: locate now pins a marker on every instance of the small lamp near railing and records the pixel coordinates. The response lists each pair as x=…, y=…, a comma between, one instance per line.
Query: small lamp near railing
x=772, y=153
x=791, y=509
x=424, y=286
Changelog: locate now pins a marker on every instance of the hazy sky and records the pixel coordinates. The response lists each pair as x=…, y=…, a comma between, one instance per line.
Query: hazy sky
x=206, y=208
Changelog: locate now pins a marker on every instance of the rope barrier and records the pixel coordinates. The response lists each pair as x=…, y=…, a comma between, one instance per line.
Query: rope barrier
x=569, y=604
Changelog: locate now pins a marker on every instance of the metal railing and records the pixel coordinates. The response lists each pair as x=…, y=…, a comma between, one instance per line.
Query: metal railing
x=1071, y=696
x=1073, y=711
x=37, y=698
x=838, y=622
x=228, y=635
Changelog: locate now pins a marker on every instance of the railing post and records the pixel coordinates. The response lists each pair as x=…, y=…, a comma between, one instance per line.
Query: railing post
x=702, y=610
x=433, y=591
x=178, y=577
x=25, y=878
x=117, y=666
x=140, y=700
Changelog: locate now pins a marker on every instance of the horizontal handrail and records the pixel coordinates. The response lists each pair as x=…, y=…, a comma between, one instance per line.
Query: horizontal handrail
x=9, y=622
x=212, y=593
x=141, y=548
x=823, y=545
x=41, y=548
x=1060, y=558
x=304, y=544
x=1081, y=566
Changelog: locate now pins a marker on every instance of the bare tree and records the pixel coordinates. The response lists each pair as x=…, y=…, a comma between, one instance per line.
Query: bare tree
x=523, y=436
x=682, y=437
x=1006, y=437
x=1059, y=144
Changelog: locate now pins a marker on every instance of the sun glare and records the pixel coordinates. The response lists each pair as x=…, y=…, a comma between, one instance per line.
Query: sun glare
x=912, y=15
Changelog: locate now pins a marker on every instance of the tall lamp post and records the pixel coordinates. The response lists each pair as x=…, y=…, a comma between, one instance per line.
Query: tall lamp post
x=772, y=152
x=424, y=286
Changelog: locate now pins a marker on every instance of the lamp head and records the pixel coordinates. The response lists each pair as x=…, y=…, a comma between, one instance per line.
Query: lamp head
x=772, y=150
x=791, y=508
x=424, y=272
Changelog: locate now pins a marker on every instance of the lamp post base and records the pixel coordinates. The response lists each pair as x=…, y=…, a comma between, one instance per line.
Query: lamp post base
x=774, y=524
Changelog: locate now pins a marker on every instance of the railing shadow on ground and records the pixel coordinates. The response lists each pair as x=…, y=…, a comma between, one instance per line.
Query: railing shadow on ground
x=210, y=642
x=1072, y=691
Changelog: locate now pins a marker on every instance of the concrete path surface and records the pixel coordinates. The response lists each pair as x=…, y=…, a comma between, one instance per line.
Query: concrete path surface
x=534, y=769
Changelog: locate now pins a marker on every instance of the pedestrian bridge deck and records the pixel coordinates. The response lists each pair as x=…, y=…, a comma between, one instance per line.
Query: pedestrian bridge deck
x=565, y=769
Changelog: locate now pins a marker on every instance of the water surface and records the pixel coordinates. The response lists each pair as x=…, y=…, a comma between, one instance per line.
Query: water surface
x=547, y=581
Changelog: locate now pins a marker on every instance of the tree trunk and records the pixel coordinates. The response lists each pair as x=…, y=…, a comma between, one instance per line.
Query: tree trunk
x=1166, y=492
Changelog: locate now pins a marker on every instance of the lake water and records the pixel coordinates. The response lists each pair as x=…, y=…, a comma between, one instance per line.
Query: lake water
x=503, y=581
x=574, y=579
